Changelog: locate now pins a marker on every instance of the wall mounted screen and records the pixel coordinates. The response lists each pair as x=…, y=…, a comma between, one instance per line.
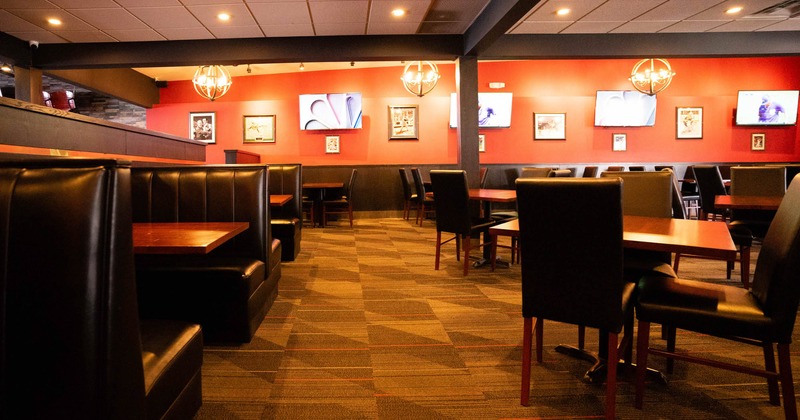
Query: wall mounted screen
x=624, y=108
x=330, y=111
x=494, y=110
x=766, y=107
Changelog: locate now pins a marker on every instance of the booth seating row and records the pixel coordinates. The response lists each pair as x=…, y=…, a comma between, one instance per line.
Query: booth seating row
x=72, y=342
x=229, y=290
x=287, y=220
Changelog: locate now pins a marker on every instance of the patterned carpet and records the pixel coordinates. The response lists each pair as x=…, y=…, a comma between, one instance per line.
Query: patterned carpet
x=365, y=328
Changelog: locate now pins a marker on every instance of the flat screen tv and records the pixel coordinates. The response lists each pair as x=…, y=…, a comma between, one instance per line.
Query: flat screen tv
x=330, y=111
x=494, y=110
x=766, y=107
x=624, y=108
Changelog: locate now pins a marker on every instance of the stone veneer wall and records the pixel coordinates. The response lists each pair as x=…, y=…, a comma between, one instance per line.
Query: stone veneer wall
x=93, y=104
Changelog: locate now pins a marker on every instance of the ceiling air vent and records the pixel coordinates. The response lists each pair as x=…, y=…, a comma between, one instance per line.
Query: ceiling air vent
x=784, y=9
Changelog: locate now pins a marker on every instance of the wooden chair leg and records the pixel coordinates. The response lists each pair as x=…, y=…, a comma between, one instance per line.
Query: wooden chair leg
x=525, y=389
x=350, y=213
x=642, y=344
x=438, y=247
x=611, y=377
x=787, y=384
x=769, y=366
x=467, y=248
x=676, y=262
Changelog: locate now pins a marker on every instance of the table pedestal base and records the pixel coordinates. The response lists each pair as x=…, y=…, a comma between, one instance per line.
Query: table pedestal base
x=597, y=373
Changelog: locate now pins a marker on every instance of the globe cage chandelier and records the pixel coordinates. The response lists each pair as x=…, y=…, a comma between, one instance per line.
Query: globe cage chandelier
x=651, y=75
x=211, y=82
x=420, y=77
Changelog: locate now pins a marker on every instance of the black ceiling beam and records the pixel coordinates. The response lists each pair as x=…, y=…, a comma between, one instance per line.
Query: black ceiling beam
x=244, y=51
x=665, y=45
x=14, y=50
x=494, y=21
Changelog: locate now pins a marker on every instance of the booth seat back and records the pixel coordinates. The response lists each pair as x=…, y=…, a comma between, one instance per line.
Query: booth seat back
x=287, y=179
x=208, y=193
x=69, y=328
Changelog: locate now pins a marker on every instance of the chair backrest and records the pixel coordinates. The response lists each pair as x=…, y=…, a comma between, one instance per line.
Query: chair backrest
x=419, y=185
x=351, y=185
x=407, y=194
x=566, y=275
x=590, y=172
x=615, y=168
x=69, y=320
x=636, y=168
x=645, y=193
x=709, y=185
x=689, y=184
x=534, y=172
x=775, y=282
x=484, y=172
x=758, y=180
x=678, y=206
x=451, y=192
x=208, y=193
x=662, y=167
x=560, y=173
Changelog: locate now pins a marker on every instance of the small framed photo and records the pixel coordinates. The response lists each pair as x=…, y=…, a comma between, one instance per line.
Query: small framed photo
x=259, y=129
x=403, y=122
x=203, y=126
x=689, y=123
x=619, y=142
x=550, y=126
x=331, y=144
x=758, y=141
x=481, y=142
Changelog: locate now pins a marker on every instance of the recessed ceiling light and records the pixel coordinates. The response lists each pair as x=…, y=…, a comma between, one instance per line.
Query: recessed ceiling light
x=734, y=10
x=398, y=12
x=563, y=12
x=224, y=16
x=54, y=21
x=6, y=68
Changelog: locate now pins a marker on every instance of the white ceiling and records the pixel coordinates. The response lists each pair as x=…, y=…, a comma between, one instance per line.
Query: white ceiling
x=167, y=20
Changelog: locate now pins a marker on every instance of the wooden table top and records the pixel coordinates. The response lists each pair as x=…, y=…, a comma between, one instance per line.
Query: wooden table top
x=183, y=238
x=497, y=196
x=696, y=237
x=747, y=202
x=278, y=200
x=312, y=185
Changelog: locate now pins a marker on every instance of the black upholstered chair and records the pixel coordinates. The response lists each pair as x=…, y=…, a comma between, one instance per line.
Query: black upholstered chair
x=662, y=167
x=637, y=168
x=73, y=344
x=768, y=181
x=342, y=204
x=560, y=173
x=409, y=196
x=286, y=220
x=566, y=277
x=535, y=172
x=456, y=214
x=484, y=176
x=689, y=193
x=425, y=202
x=590, y=172
x=762, y=316
x=615, y=169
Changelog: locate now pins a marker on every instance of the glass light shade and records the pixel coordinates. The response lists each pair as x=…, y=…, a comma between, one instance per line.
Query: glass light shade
x=420, y=77
x=651, y=75
x=211, y=82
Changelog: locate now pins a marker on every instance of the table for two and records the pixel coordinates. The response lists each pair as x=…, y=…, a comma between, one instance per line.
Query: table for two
x=316, y=192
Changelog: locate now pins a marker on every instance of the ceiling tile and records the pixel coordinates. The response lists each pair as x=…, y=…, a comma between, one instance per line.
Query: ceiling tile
x=327, y=12
x=207, y=14
x=237, y=32
x=27, y=4
x=595, y=27
x=166, y=17
x=109, y=18
x=84, y=4
x=176, y=34
x=288, y=30
x=745, y=25
x=546, y=11
x=211, y=2
x=281, y=13
x=693, y=26
x=41, y=36
x=345, y=28
x=10, y=22
x=678, y=9
x=619, y=10
x=123, y=35
x=530, y=27
x=148, y=3
x=392, y=28
x=39, y=18
x=647, y=27
x=717, y=12
x=786, y=25
x=443, y=27
x=381, y=10
x=85, y=36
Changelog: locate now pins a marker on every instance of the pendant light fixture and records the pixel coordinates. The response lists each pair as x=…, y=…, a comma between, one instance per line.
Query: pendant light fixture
x=651, y=75
x=211, y=82
x=420, y=77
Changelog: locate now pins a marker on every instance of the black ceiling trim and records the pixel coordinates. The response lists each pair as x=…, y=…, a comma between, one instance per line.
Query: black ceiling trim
x=14, y=50
x=495, y=20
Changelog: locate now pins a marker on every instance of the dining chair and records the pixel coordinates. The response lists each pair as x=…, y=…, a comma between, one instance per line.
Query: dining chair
x=590, y=172
x=756, y=181
x=662, y=167
x=689, y=192
x=484, y=172
x=535, y=172
x=615, y=169
x=342, y=204
x=425, y=203
x=409, y=196
x=560, y=173
x=636, y=168
x=709, y=185
x=456, y=214
x=566, y=277
x=763, y=316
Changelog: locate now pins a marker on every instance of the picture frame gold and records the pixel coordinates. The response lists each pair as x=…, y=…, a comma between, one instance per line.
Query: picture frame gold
x=403, y=122
x=758, y=142
x=259, y=129
x=552, y=126
x=481, y=143
x=331, y=144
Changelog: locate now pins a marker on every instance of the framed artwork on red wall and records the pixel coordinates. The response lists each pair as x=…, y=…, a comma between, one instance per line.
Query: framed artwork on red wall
x=550, y=126
x=259, y=129
x=758, y=141
x=689, y=122
x=203, y=126
x=619, y=142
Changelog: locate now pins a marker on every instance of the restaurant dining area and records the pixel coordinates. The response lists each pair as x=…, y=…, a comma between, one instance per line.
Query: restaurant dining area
x=249, y=209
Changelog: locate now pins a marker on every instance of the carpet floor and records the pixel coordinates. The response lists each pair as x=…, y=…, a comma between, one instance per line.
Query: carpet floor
x=365, y=328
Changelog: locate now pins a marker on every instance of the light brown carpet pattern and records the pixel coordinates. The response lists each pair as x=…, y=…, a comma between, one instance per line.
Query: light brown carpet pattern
x=365, y=328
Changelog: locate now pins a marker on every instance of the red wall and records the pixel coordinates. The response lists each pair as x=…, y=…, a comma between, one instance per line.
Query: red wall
x=544, y=86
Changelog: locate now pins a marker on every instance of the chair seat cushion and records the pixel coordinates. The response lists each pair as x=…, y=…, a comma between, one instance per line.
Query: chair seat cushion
x=172, y=355
x=713, y=309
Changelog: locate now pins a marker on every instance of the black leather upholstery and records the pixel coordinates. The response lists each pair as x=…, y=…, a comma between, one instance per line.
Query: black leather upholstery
x=766, y=314
x=230, y=290
x=343, y=204
x=756, y=181
x=287, y=220
x=566, y=276
x=590, y=172
x=425, y=203
x=72, y=342
x=709, y=185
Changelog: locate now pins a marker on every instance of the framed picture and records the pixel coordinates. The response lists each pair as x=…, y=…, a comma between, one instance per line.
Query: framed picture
x=481, y=142
x=259, y=129
x=619, y=142
x=758, y=141
x=403, y=122
x=331, y=144
x=203, y=126
x=689, y=123
x=550, y=126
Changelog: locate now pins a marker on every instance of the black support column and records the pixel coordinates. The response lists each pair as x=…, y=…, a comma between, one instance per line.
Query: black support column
x=467, y=95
